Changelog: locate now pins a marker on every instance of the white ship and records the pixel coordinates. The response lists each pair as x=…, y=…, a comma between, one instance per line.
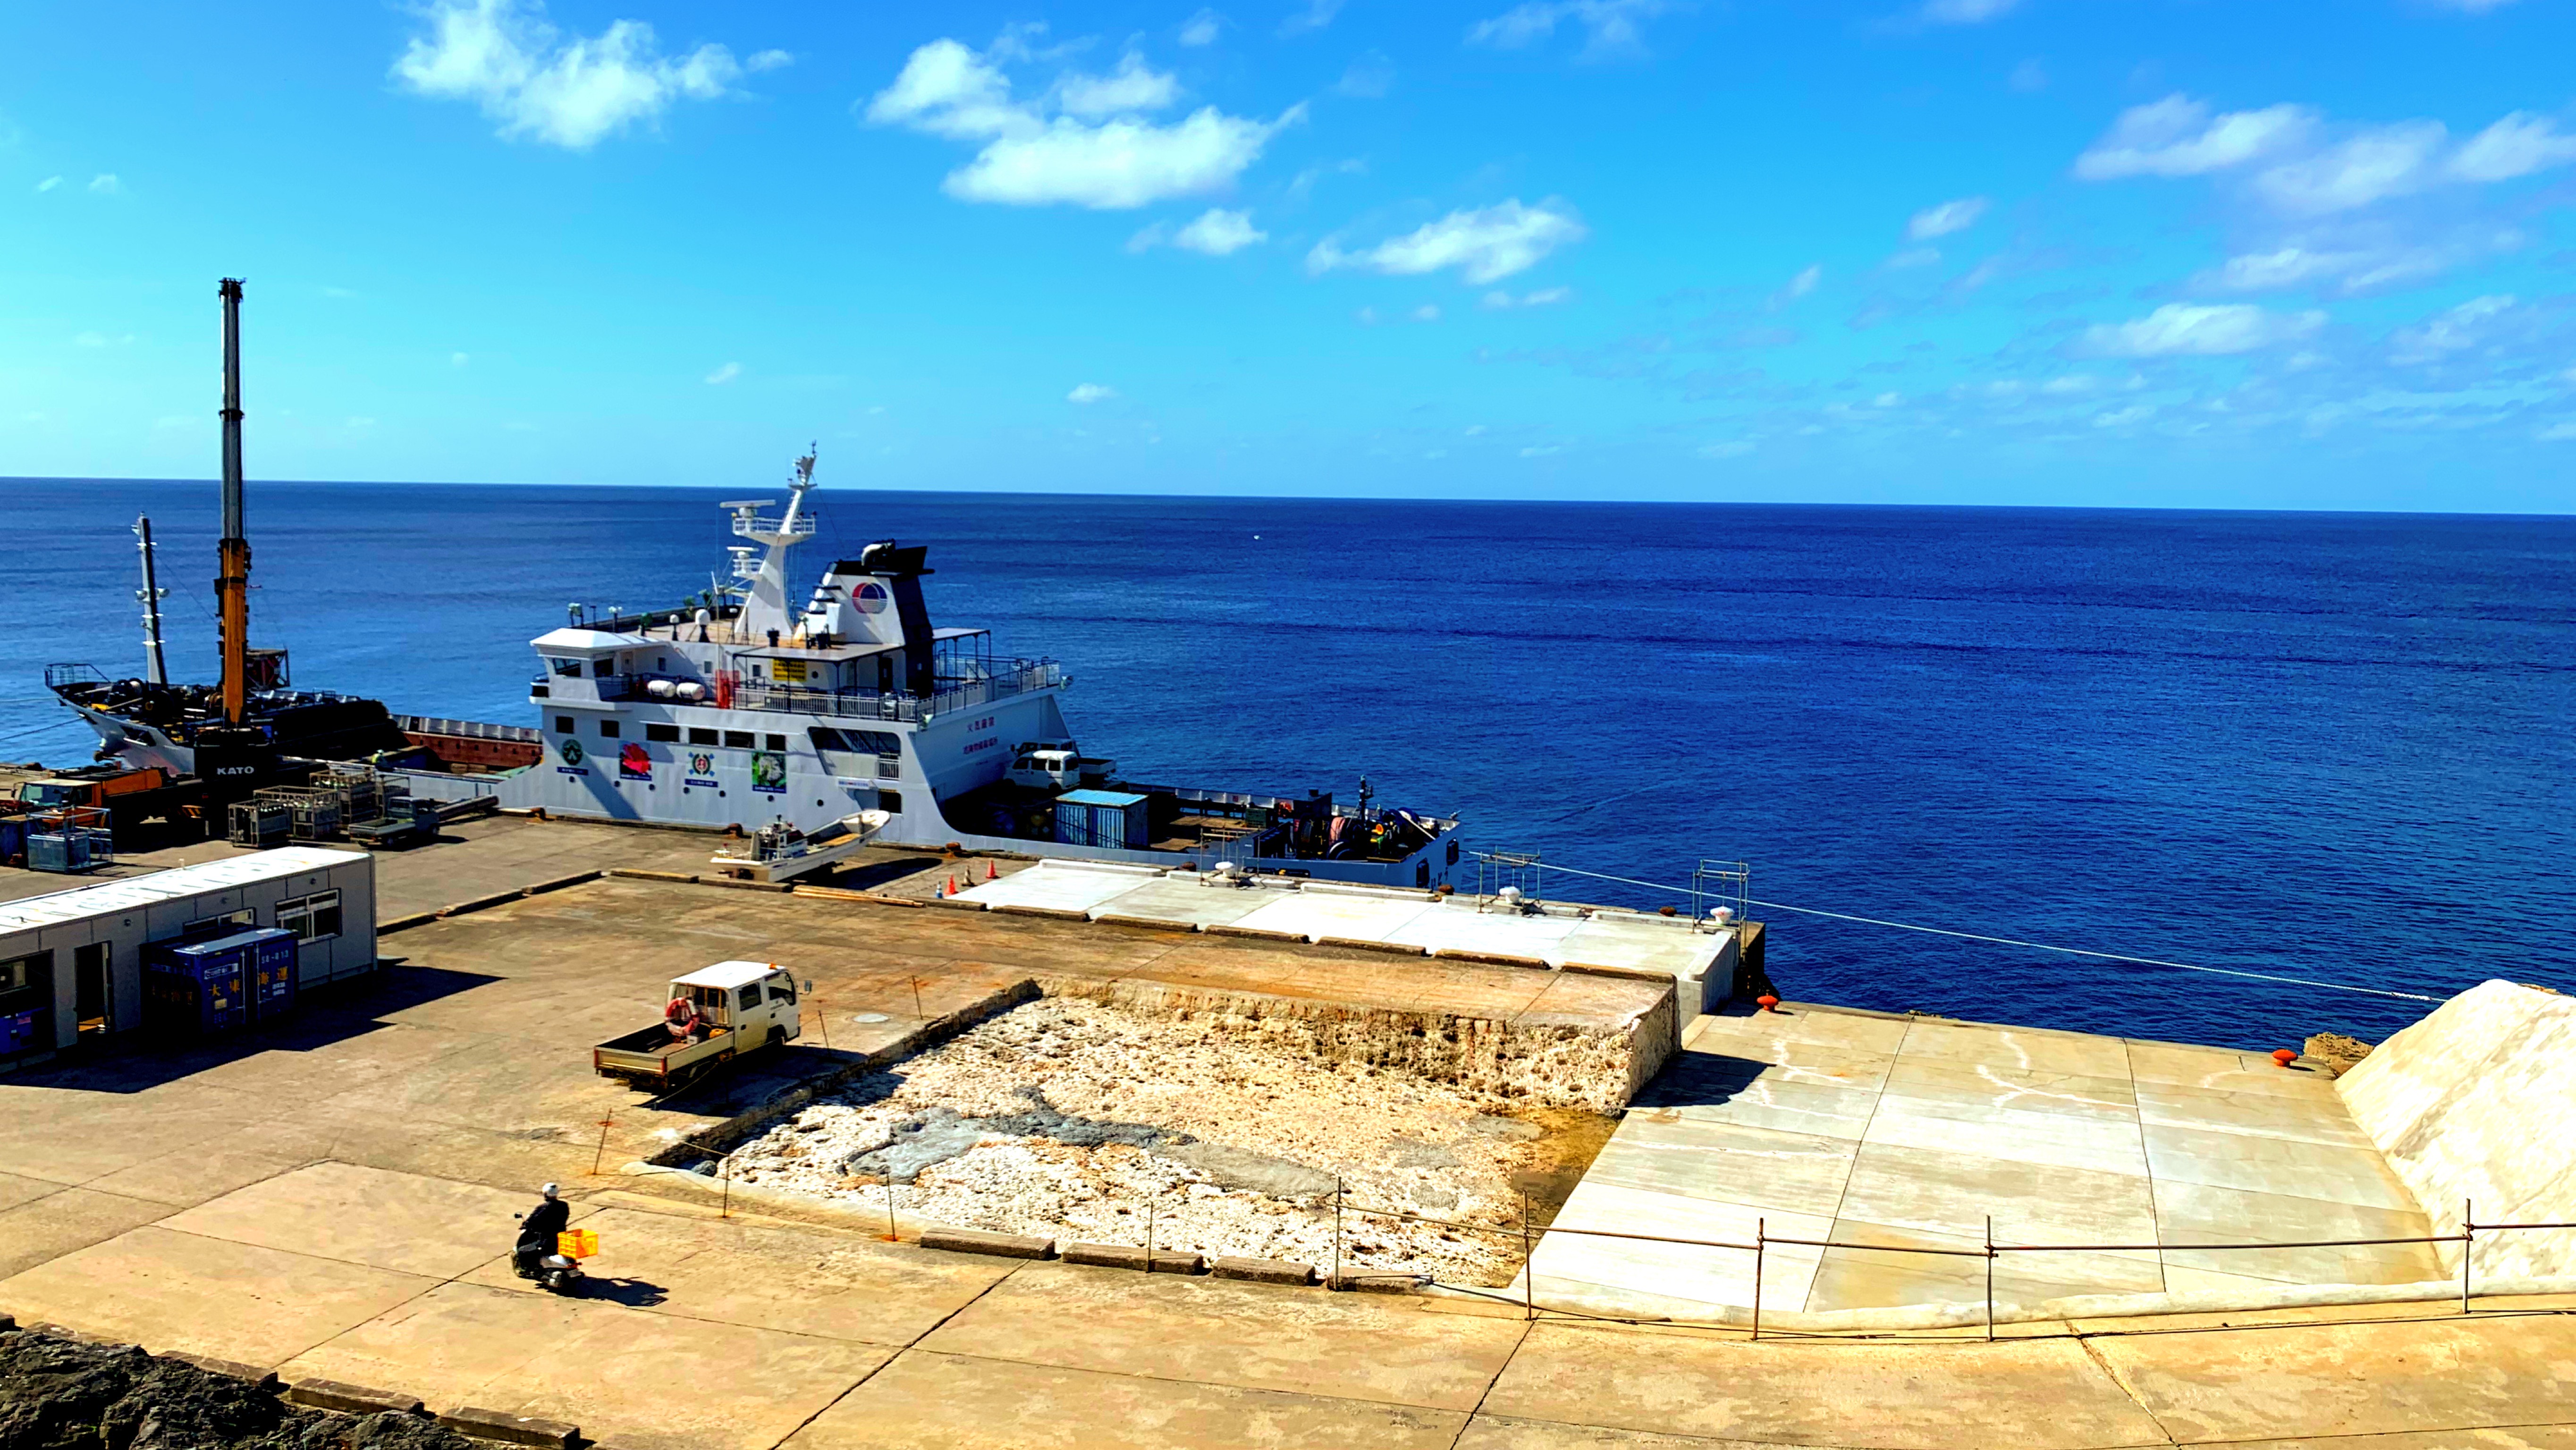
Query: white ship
x=752, y=706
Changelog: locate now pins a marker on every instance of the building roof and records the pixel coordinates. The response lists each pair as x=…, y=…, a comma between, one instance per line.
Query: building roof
x=726, y=974
x=1100, y=798
x=136, y=892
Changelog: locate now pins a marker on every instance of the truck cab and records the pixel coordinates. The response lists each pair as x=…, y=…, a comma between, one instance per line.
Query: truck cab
x=95, y=785
x=1053, y=768
x=743, y=1006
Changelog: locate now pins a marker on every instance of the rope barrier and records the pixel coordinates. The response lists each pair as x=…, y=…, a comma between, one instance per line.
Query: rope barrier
x=2008, y=941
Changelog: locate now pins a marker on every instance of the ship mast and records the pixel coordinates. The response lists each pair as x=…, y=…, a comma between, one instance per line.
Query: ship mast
x=232, y=582
x=151, y=594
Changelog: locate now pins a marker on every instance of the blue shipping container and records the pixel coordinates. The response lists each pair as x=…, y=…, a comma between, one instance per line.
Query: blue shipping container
x=1111, y=818
x=18, y=1032
x=196, y=987
x=271, y=965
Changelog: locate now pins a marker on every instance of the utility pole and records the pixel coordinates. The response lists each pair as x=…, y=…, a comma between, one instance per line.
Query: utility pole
x=232, y=553
x=151, y=594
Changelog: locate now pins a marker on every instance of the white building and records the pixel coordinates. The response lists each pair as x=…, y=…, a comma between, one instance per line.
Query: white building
x=74, y=959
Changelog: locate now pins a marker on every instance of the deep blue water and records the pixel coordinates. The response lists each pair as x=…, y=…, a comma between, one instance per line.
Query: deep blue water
x=2323, y=745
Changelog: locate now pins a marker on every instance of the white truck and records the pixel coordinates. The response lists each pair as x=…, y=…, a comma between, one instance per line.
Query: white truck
x=741, y=1007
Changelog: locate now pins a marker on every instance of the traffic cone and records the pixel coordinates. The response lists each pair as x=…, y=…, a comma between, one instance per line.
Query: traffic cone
x=952, y=883
x=991, y=871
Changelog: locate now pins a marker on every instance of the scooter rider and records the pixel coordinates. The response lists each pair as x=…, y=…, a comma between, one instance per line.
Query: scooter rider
x=537, y=1231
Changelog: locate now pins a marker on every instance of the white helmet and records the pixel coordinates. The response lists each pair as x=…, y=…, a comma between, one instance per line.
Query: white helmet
x=552, y=1189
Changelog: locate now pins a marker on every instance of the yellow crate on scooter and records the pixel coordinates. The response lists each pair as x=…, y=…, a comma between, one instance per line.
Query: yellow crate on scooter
x=577, y=1243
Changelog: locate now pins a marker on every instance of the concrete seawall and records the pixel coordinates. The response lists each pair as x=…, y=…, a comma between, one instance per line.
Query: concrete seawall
x=2478, y=1102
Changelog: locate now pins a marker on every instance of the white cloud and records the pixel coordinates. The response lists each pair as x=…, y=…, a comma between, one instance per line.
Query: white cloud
x=1367, y=316
x=458, y=359
x=2518, y=145
x=1315, y=15
x=1807, y=280
x=1219, y=233
x=1134, y=86
x=1610, y=27
x=2029, y=76
x=1915, y=257
x=1075, y=157
x=2122, y=417
x=105, y=184
x=1368, y=77
x=1887, y=400
x=101, y=339
x=1967, y=12
x=1485, y=245
x=2070, y=385
x=1201, y=29
x=2456, y=329
x=504, y=56
x=1541, y=450
x=1427, y=312
x=1733, y=448
x=2377, y=163
x=2473, y=7
x=49, y=183
x=2185, y=330
x=1543, y=297
x=2177, y=137
x=1942, y=220
x=2557, y=433
x=1091, y=393
x=725, y=374
x=762, y=60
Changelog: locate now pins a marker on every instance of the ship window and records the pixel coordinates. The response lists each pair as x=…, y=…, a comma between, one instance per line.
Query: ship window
x=778, y=742
x=563, y=724
x=890, y=801
x=737, y=740
x=607, y=729
x=702, y=737
x=566, y=667
x=667, y=734
x=602, y=667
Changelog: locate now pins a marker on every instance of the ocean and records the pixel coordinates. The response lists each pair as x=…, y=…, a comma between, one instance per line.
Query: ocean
x=2324, y=746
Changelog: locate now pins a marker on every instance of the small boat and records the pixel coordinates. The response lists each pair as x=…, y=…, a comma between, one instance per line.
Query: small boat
x=781, y=852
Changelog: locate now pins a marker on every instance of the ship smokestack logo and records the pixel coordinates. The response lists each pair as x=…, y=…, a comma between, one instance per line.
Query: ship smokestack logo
x=871, y=598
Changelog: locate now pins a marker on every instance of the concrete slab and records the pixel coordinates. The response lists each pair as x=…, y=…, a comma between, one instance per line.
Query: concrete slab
x=2283, y=1166
x=2351, y=1379
x=1576, y=1269
x=2041, y=1138
x=409, y=1222
x=929, y=1401
x=1801, y=1022
x=45, y=1228
x=1645, y=943
x=168, y=1290
x=1927, y=1397
x=2018, y=1048
x=2256, y=1115
x=2192, y=1213
x=1659, y=1150
x=1497, y=1432
x=1764, y=1100
x=1185, y=899
x=15, y=1190
x=1314, y=915
x=1250, y=1336
x=657, y=1382
x=1453, y=926
x=834, y=1285
x=449, y=1344
x=194, y=1175
x=1056, y=887
x=1935, y=1192
x=2108, y=1098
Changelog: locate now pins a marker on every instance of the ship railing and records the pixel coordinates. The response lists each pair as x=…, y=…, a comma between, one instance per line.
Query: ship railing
x=799, y=527
x=463, y=729
x=1019, y=679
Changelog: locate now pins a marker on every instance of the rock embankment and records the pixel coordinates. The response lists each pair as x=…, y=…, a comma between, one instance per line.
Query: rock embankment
x=1082, y=1119
x=61, y=1394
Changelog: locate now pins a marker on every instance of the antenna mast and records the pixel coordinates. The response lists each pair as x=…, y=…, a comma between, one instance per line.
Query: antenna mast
x=232, y=581
x=151, y=594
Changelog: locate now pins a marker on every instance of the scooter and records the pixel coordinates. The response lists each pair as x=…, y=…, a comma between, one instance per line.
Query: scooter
x=557, y=1273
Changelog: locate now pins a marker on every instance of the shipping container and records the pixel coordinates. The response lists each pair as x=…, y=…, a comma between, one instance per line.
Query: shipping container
x=197, y=987
x=1110, y=818
x=270, y=962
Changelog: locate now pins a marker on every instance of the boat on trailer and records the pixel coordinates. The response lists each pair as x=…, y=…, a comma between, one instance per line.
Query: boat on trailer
x=762, y=703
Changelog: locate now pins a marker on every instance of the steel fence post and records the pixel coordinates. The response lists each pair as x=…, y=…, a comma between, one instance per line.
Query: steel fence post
x=2468, y=1244
x=1990, y=1278
x=1758, y=1236
x=1529, y=1265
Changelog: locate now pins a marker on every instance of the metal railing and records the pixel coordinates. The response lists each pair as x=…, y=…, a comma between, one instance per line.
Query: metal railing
x=1012, y=680
x=464, y=729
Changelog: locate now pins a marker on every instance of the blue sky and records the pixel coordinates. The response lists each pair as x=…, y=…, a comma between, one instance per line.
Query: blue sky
x=2129, y=252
